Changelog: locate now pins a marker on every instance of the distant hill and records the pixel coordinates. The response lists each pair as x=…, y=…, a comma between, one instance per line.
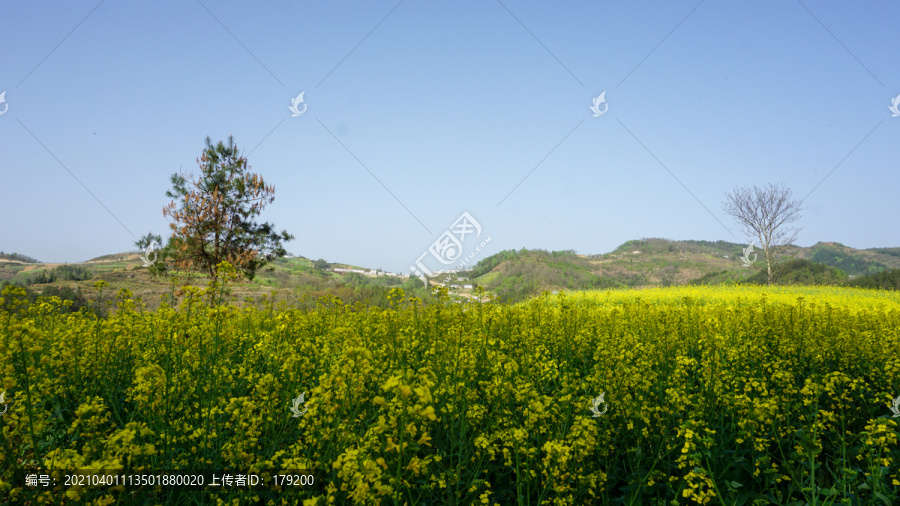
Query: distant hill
x=17, y=257
x=297, y=280
x=513, y=275
x=854, y=262
x=517, y=275
x=894, y=252
x=115, y=257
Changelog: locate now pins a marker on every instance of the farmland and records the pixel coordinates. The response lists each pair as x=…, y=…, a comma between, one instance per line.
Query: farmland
x=719, y=395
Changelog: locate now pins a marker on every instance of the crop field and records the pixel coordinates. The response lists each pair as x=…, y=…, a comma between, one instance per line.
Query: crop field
x=687, y=395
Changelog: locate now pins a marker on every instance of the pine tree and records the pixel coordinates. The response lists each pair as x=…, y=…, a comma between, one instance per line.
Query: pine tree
x=212, y=216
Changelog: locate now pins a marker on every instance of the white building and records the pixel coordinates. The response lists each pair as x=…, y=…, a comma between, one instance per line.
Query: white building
x=358, y=271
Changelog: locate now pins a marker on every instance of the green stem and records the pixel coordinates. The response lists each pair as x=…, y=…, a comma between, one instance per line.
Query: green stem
x=28, y=397
x=400, y=459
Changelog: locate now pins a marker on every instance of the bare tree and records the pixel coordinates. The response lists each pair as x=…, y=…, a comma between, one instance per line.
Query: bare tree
x=765, y=214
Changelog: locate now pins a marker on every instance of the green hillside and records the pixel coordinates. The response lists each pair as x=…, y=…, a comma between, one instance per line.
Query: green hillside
x=297, y=280
x=516, y=275
x=644, y=263
x=888, y=280
x=512, y=275
x=802, y=272
x=854, y=262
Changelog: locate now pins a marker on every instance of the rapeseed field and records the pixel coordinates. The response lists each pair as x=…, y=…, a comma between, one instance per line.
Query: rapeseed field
x=686, y=395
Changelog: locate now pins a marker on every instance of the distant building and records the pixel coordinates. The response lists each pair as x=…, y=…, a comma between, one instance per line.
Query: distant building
x=467, y=286
x=358, y=271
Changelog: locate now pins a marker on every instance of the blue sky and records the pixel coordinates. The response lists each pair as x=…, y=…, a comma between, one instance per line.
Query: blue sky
x=419, y=111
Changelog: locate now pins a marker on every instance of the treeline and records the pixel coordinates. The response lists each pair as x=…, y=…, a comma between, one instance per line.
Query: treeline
x=76, y=299
x=792, y=272
x=888, y=280
x=61, y=273
x=529, y=272
x=365, y=295
x=656, y=245
x=805, y=272
x=894, y=252
x=18, y=257
x=357, y=279
x=801, y=272
x=719, y=278
x=487, y=265
x=851, y=264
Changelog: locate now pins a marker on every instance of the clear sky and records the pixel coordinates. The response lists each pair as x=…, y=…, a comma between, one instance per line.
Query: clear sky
x=418, y=111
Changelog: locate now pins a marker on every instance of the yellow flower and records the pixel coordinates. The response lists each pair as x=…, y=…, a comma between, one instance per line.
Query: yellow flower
x=391, y=446
x=428, y=413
